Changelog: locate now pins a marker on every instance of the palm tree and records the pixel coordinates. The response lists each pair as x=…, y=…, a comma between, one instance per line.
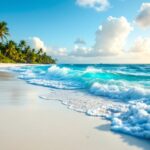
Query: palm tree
x=10, y=48
x=27, y=50
x=22, y=45
x=33, y=50
x=40, y=51
x=4, y=31
x=22, y=52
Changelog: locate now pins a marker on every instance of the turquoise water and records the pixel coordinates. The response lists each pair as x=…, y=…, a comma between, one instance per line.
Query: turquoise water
x=122, y=82
x=127, y=84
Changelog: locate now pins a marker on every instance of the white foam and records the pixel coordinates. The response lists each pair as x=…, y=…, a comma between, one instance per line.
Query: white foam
x=55, y=84
x=57, y=71
x=86, y=103
x=135, y=121
x=138, y=74
x=28, y=74
x=93, y=70
x=133, y=118
x=121, y=90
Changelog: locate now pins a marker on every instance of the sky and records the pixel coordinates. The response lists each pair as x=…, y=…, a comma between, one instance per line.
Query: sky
x=82, y=31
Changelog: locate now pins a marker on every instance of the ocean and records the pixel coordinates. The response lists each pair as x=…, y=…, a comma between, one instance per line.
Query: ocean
x=118, y=93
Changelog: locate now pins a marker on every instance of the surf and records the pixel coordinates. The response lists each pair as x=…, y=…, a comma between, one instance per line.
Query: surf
x=114, y=92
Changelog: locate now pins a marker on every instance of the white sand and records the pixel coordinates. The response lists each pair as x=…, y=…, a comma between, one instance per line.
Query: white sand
x=30, y=123
x=4, y=65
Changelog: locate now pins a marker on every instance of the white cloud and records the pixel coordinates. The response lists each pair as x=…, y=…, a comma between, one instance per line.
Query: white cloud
x=60, y=54
x=80, y=50
x=98, y=5
x=143, y=18
x=57, y=52
x=111, y=36
x=36, y=43
x=110, y=39
x=141, y=45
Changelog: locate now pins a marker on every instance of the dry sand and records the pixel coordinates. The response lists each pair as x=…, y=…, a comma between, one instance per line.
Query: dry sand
x=30, y=123
x=2, y=65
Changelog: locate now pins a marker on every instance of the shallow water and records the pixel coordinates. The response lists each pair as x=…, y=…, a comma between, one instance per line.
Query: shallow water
x=120, y=93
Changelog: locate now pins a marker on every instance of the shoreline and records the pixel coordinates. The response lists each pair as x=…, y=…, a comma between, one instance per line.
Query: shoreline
x=5, y=65
x=29, y=122
x=12, y=65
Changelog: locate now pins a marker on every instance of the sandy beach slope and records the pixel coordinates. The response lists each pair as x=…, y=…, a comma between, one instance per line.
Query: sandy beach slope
x=5, y=65
x=2, y=65
x=30, y=123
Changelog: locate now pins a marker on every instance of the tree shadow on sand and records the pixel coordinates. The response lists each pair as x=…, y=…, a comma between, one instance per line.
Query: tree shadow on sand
x=130, y=140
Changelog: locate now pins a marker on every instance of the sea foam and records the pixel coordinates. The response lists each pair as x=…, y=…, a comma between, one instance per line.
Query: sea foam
x=135, y=121
x=119, y=90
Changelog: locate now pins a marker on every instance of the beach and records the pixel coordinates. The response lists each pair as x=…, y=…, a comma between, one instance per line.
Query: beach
x=31, y=123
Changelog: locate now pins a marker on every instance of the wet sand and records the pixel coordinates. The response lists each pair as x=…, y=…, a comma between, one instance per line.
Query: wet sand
x=30, y=123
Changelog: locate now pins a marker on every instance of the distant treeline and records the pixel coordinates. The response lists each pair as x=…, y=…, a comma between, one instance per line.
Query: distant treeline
x=11, y=52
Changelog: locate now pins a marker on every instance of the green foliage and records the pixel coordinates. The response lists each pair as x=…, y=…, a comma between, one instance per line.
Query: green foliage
x=11, y=52
x=4, y=59
x=4, y=31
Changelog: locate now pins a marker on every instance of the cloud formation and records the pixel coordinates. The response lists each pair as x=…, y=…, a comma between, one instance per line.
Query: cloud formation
x=111, y=36
x=57, y=52
x=141, y=45
x=81, y=51
x=80, y=48
x=110, y=39
x=37, y=43
x=143, y=18
x=98, y=5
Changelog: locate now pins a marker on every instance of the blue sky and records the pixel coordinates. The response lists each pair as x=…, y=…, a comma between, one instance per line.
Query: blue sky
x=60, y=22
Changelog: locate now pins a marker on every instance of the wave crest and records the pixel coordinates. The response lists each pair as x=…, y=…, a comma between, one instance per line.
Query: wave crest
x=121, y=91
x=57, y=71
